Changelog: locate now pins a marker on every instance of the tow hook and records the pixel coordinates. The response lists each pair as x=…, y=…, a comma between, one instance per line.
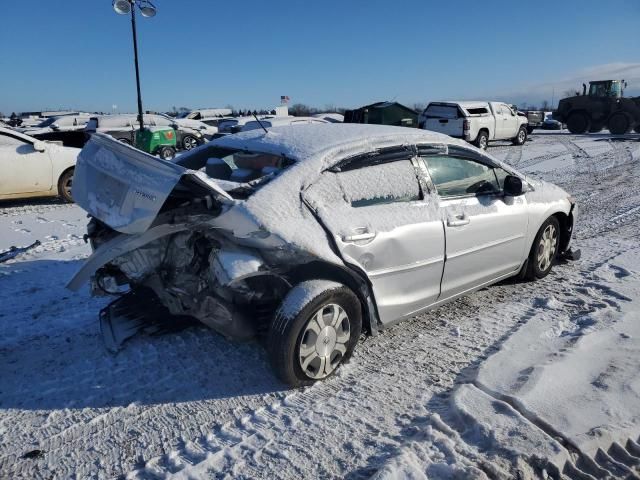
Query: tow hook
x=571, y=254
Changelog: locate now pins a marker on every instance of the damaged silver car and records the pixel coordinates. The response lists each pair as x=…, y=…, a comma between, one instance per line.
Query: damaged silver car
x=308, y=235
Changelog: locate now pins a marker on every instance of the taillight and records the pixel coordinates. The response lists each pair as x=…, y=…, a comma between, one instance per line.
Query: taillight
x=466, y=125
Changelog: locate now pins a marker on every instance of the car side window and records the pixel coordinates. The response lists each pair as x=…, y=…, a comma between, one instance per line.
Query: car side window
x=457, y=177
x=10, y=141
x=382, y=183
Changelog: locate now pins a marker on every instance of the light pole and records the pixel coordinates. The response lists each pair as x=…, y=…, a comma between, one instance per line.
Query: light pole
x=147, y=9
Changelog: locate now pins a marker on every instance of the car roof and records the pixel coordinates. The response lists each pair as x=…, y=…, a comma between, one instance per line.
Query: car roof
x=463, y=103
x=303, y=141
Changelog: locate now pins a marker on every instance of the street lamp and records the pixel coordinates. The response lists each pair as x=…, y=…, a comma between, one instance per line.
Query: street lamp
x=147, y=9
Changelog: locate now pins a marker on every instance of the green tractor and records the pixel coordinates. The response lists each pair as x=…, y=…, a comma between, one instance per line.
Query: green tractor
x=157, y=141
x=604, y=106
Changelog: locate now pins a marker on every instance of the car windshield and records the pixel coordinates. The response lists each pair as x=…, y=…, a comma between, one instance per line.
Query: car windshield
x=47, y=122
x=239, y=171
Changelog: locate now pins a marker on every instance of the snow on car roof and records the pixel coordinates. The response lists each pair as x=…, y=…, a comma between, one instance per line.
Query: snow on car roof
x=303, y=141
x=465, y=103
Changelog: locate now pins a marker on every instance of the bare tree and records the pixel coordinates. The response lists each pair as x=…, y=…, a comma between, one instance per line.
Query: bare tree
x=545, y=106
x=300, y=110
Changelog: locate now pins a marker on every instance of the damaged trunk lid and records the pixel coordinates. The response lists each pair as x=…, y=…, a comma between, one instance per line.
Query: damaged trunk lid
x=126, y=188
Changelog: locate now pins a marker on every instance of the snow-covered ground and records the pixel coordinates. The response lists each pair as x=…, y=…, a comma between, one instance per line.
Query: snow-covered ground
x=519, y=380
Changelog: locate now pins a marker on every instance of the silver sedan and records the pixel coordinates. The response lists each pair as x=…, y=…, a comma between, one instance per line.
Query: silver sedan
x=309, y=235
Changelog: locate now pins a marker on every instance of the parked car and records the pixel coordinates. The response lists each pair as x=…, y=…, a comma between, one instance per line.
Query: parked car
x=124, y=127
x=476, y=122
x=33, y=168
x=311, y=233
x=207, y=131
x=206, y=113
x=62, y=123
x=535, y=118
x=281, y=121
x=235, y=124
x=330, y=117
x=550, y=124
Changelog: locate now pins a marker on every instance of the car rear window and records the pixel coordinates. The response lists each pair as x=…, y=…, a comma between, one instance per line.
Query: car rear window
x=441, y=111
x=478, y=111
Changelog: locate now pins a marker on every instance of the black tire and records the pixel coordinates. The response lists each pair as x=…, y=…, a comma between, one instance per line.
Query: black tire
x=296, y=313
x=189, y=142
x=534, y=268
x=578, y=123
x=482, y=140
x=167, y=153
x=521, y=137
x=619, y=124
x=65, y=183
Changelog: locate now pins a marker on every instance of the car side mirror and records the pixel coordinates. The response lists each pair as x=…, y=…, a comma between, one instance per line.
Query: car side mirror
x=39, y=146
x=512, y=186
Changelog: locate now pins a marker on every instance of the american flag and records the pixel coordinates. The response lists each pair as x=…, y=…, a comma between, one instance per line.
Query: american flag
x=284, y=99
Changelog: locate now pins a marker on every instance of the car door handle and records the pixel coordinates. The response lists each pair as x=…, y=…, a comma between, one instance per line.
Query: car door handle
x=458, y=221
x=358, y=237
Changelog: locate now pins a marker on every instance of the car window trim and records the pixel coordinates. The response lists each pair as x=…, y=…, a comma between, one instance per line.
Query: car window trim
x=15, y=137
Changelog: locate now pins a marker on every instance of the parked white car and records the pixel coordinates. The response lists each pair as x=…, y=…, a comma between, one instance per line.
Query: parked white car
x=330, y=117
x=310, y=234
x=281, y=122
x=33, y=168
x=62, y=123
x=476, y=122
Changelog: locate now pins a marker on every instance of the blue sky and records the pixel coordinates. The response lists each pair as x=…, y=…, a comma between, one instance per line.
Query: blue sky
x=197, y=53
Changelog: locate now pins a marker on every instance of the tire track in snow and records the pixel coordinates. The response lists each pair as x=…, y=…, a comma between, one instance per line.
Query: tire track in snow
x=365, y=379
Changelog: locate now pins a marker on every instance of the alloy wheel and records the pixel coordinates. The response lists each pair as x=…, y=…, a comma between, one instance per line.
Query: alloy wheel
x=323, y=343
x=547, y=247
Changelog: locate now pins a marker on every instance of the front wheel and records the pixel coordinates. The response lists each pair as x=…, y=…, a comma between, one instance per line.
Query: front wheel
x=619, y=124
x=315, y=330
x=64, y=186
x=544, y=250
x=521, y=137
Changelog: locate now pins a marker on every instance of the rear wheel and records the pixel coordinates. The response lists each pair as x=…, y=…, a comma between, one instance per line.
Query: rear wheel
x=314, y=332
x=64, y=186
x=167, y=153
x=578, y=123
x=482, y=140
x=544, y=250
x=521, y=137
x=619, y=124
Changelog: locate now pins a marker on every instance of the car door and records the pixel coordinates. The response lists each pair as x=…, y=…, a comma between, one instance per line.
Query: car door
x=509, y=122
x=24, y=170
x=383, y=222
x=485, y=230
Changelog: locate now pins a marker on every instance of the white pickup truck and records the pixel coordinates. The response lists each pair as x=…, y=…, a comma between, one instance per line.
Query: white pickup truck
x=476, y=122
